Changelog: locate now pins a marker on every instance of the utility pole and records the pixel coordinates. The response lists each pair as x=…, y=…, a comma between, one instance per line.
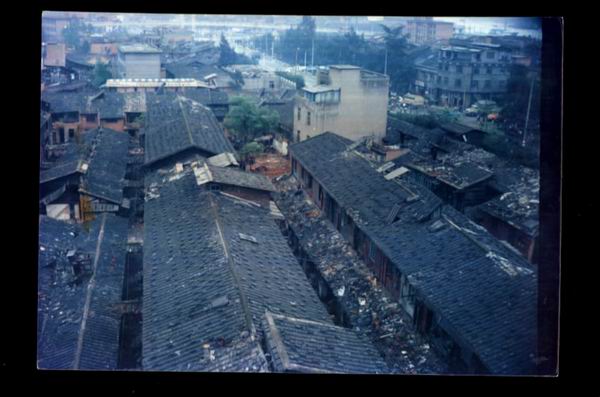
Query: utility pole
x=304, y=59
x=528, y=109
x=312, y=57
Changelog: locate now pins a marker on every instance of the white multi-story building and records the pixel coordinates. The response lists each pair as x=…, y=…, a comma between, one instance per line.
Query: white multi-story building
x=347, y=100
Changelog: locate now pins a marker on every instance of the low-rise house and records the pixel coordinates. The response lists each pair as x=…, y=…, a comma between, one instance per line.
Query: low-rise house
x=433, y=259
x=513, y=216
x=88, y=178
x=216, y=100
x=213, y=76
x=80, y=280
x=177, y=128
x=228, y=265
x=463, y=133
x=78, y=111
x=283, y=103
x=258, y=79
x=460, y=184
x=299, y=345
x=242, y=184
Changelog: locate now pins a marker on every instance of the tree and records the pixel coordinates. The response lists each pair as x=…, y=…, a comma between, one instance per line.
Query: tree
x=251, y=149
x=101, y=74
x=248, y=121
x=516, y=99
x=400, y=67
x=227, y=54
x=73, y=34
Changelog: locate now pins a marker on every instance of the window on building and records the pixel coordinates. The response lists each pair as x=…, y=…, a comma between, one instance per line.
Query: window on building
x=71, y=134
x=476, y=71
x=457, y=83
x=478, y=57
x=459, y=69
x=271, y=84
x=309, y=182
x=489, y=70
x=307, y=118
x=490, y=55
x=61, y=135
x=488, y=83
x=299, y=115
x=445, y=80
x=298, y=136
x=320, y=193
x=475, y=84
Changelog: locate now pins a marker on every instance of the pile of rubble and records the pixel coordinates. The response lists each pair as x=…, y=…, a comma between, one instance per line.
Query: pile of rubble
x=368, y=307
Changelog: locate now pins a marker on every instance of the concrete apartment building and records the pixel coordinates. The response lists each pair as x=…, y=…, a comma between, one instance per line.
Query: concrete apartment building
x=347, y=100
x=424, y=31
x=461, y=75
x=138, y=61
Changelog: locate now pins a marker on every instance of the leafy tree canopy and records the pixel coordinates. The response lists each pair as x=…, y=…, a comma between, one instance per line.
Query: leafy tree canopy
x=101, y=74
x=247, y=121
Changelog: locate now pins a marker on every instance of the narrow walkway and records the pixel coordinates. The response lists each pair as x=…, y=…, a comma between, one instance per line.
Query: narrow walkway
x=367, y=307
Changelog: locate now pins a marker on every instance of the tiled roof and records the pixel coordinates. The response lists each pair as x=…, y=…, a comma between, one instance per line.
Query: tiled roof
x=310, y=346
x=73, y=159
x=460, y=175
x=205, y=282
x=191, y=69
x=207, y=96
x=175, y=124
x=64, y=102
x=107, y=166
x=452, y=268
x=237, y=177
x=64, y=339
x=519, y=205
x=457, y=128
x=108, y=104
x=61, y=170
x=356, y=185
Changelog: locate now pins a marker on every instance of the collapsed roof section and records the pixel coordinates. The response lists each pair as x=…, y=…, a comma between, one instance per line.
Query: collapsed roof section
x=80, y=277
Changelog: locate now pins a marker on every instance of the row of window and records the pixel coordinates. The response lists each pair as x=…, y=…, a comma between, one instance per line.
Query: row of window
x=476, y=70
x=458, y=83
x=300, y=115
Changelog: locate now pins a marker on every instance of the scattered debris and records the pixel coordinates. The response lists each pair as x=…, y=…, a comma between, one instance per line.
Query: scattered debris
x=369, y=308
